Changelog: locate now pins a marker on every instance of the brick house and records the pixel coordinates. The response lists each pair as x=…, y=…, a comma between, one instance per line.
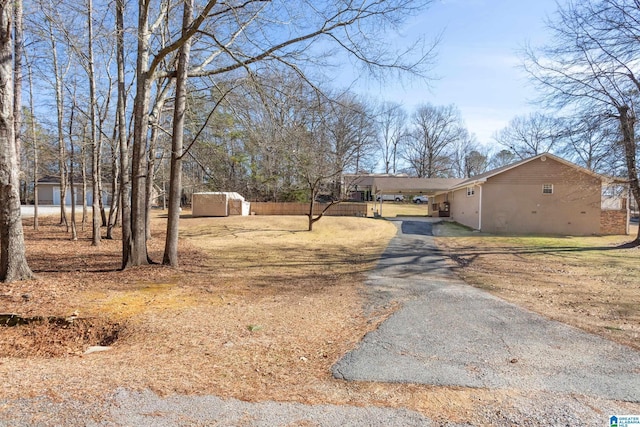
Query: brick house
x=544, y=194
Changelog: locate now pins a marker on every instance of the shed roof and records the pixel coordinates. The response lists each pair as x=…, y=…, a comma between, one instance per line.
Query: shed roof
x=232, y=195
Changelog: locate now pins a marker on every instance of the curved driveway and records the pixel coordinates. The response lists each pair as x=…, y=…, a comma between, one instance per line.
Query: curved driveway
x=450, y=333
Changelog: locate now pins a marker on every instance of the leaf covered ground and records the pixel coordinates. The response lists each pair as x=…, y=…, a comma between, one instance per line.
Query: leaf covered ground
x=259, y=309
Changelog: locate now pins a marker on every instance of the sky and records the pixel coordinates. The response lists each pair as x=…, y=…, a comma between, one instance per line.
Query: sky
x=477, y=64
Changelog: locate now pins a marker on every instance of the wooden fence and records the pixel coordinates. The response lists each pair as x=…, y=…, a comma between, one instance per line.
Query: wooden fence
x=340, y=209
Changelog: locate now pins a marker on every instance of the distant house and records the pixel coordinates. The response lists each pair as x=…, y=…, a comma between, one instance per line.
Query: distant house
x=544, y=194
x=49, y=192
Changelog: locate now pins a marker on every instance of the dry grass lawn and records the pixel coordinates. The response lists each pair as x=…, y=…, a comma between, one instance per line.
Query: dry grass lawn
x=260, y=310
x=395, y=209
x=586, y=282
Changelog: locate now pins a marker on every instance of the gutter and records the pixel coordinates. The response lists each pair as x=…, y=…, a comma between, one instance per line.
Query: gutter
x=466, y=184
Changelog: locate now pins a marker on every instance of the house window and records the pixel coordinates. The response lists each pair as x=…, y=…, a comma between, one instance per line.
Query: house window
x=471, y=191
x=547, y=188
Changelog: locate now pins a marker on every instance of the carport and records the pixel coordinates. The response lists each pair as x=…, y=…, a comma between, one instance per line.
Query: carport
x=379, y=185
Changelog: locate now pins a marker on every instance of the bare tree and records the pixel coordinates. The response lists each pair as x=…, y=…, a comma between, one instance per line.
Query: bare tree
x=95, y=146
x=13, y=261
x=530, y=135
x=17, y=60
x=58, y=75
x=314, y=158
x=35, y=146
x=236, y=38
x=350, y=132
x=177, y=143
x=591, y=65
x=392, y=122
x=125, y=180
x=469, y=158
x=147, y=64
x=72, y=172
x=502, y=158
x=436, y=131
x=591, y=142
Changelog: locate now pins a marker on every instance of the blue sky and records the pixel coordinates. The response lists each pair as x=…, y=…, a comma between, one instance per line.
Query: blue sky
x=477, y=63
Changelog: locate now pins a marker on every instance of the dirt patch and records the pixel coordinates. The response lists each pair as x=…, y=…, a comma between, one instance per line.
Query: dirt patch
x=56, y=337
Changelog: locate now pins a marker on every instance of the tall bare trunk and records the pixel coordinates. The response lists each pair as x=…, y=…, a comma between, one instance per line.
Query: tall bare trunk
x=115, y=189
x=83, y=177
x=72, y=183
x=61, y=148
x=177, y=143
x=161, y=97
x=139, y=254
x=13, y=260
x=34, y=136
x=125, y=181
x=17, y=77
x=95, y=147
x=627, y=125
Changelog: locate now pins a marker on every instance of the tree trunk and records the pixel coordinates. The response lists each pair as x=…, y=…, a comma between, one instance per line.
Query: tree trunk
x=34, y=136
x=125, y=180
x=72, y=183
x=74, y=229
x=627, y=126
x=139, y=255
x=95, y=147
x=151, y=162
x=162, y=92
x=83, y=176
x=115, y=179
x=177, y=143
x=13, y=261
x=59, y=113
x=310, y=214
x=17, y=77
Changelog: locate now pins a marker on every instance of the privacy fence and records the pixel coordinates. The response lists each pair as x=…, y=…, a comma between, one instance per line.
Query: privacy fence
x=340, y=209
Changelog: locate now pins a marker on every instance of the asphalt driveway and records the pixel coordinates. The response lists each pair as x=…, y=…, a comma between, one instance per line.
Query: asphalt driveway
x=449, y=333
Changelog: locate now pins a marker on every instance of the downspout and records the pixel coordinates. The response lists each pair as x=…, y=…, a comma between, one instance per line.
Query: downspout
x=480, y=209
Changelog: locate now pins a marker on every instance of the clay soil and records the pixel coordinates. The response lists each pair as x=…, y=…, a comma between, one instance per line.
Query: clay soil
x=260, y=309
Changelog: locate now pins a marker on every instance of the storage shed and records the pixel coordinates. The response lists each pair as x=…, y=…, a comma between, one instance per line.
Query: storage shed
x=219, y=203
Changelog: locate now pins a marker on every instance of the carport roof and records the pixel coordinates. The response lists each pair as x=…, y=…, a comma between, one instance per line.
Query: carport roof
x=405, y=185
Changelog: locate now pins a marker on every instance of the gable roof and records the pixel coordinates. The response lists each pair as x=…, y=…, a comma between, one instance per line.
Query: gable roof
x=389, y=184
x=479, y=179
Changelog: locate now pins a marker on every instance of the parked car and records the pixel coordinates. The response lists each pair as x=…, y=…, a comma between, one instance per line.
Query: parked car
x=391, y=198
x=420, y=199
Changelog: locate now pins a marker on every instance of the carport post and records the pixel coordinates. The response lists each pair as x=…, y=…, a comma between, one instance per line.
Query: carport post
x=375, y=201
